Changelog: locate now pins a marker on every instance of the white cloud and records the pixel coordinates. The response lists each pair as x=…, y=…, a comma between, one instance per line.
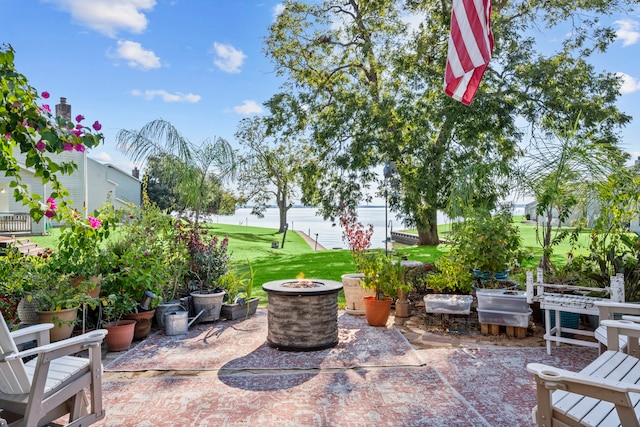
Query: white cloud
x=166, y=96
x=109, y=16
x=628, y=31
x=228, y=58
x=248, y=107
x=136, y=56
x=629, y=84
x=277, y=10
x=102, y=157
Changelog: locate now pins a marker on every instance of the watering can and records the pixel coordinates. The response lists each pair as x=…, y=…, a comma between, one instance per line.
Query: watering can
x=177, y=322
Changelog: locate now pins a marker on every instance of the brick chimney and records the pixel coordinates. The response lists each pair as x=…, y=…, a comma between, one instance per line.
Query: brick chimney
x=136, y=173
x=63, y=109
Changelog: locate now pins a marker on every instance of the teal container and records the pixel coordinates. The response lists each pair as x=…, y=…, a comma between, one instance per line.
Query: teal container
x=567, y=320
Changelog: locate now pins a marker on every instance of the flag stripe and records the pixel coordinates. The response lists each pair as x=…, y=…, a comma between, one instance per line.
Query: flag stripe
x=469, y=50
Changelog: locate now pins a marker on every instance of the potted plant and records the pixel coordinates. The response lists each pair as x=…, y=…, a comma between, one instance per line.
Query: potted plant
x=358, y=238
x=238, y=299
x=79, y=247
x=208, y=260
x=384, y=276
x=487, y=244
x=146, y=257
x=121, y=332
x=57, y=300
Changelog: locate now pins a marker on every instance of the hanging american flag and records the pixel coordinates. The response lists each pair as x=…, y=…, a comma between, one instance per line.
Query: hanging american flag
x=470, y=46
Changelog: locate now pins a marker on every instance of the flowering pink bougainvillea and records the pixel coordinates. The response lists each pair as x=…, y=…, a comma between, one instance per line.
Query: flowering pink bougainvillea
x=52, y=208
x=94, y=222
x=40, y=145
x=96, y=125
x=45, y=94
x=79, y=118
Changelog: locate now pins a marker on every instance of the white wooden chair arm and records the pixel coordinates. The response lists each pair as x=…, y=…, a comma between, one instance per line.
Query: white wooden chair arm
x=69, y=346
x=620, y=324
x=39, y=332
x=635, y=319
x=612, y=304
x=556, y=377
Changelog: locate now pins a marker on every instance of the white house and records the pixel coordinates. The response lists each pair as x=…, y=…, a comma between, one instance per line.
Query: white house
x=91, y=185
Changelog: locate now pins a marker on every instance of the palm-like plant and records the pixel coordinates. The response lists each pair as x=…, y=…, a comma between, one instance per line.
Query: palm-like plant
x=196, y=170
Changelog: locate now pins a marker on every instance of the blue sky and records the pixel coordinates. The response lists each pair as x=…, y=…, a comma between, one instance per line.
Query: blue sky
x=195, y=63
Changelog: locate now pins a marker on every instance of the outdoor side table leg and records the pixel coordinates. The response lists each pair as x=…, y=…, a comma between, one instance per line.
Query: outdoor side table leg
x=547, y=327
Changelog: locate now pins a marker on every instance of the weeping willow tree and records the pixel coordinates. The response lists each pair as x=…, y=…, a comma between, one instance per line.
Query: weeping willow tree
x=196, y=170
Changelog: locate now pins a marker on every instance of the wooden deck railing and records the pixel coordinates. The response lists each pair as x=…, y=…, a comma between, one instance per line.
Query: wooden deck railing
x=15, y=222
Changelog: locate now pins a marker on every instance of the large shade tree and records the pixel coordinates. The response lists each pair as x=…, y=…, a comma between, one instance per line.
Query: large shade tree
x=270, y=168
x=196, y=170
x=367, y=88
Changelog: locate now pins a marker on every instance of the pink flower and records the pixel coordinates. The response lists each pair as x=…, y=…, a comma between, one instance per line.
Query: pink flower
x=46, y=108
x=79, y=126
x=49, y=214
x=45, y=94
x=67, y=146
x=79, y=147
x=79, y=118
x=94, y=222
x=77, y=132
x=96, y=125
x=52, y=203
x=8, y=136
x=40, y=146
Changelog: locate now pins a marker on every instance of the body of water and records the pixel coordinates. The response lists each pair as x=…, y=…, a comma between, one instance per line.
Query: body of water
x=327, y=233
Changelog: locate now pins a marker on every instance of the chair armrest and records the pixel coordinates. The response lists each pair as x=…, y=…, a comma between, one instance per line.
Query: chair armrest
x=621, y=324
x=39, y=333
x=635, y=319
x=64, y=347
x=623, y=305
x=556, y=378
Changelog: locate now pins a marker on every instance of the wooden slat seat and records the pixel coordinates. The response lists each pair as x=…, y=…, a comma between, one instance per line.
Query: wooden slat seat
x=605, y=393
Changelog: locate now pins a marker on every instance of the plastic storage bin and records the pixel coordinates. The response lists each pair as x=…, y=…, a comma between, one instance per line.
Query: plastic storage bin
x=502, y=300
x=505, y=318
x=446, y=303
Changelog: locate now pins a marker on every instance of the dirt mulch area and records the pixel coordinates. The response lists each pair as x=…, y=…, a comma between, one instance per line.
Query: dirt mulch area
x=426, y=331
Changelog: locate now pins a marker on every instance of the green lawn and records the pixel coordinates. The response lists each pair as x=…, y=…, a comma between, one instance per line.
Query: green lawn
x=296, y=257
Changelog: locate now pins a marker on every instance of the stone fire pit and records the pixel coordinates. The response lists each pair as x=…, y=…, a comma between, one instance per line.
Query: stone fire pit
x=302, y=315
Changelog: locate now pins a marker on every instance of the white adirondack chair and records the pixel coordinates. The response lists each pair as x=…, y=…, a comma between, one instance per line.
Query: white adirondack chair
x=51, y=384
x=605, y=393
x=608, y=310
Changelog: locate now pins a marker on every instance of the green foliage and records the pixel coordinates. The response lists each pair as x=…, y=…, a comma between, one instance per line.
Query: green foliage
x=79, y=245
x=116, y=305
x=269, y=169
x=238, y=285
x=383, y=274
x=31, y=135
x=146, y=255
x=488, y=242
x=369, y=91
x=450, y=276
x=196, y=171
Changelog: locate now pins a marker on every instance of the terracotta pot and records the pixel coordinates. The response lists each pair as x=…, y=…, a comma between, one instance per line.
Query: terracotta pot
x=120, y=334
x=377, y=311
x=63, y=320
x=94, y=291
x=354, y=293
x=143, y=323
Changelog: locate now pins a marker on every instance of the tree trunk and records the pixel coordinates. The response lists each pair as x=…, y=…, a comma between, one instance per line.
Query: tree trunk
x=283, y=218
x=428, y=233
